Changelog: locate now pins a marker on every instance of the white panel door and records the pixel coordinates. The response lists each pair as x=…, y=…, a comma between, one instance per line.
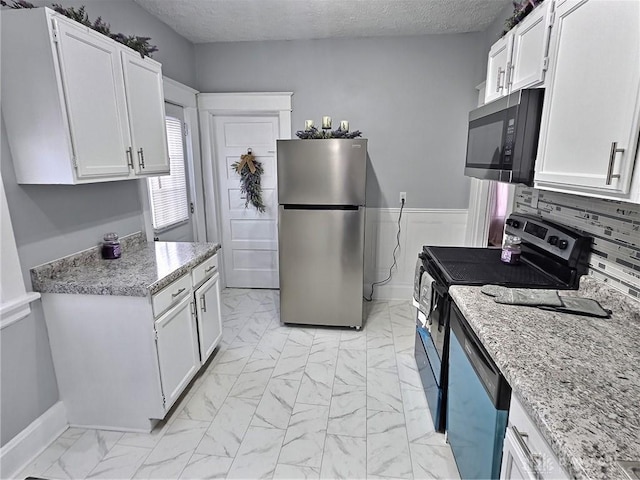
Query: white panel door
x=249, y=238
x=499, y=56
x=177, y=343
x=145, y=105
x=209, y=316
x=95, y=101
x=592, y=97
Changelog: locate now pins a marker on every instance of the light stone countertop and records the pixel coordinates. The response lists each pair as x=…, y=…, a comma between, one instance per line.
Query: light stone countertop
x=143, y=269
x=578, y=377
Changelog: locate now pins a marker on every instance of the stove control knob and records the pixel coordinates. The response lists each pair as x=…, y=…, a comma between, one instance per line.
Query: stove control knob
x=552, y=240
x=563, y=244
x=513, y=223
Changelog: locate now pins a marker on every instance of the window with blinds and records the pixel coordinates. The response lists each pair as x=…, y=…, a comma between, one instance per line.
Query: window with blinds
x=169, y=202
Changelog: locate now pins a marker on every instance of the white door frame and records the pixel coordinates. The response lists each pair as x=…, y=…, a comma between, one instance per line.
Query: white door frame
x=230, y=104
x=185, y=97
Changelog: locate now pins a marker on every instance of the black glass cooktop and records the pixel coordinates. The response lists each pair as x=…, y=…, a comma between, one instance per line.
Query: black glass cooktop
x=482, y=266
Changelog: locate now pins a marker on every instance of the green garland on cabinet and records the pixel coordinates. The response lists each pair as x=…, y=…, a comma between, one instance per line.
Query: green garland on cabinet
x=250, y=171
x=139, y=44
x=520, y=10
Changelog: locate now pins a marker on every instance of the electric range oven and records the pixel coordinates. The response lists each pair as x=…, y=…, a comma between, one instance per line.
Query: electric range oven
x=553, y=257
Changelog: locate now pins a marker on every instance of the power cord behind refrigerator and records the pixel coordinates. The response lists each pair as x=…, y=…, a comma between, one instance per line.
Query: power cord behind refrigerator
x=395, y=261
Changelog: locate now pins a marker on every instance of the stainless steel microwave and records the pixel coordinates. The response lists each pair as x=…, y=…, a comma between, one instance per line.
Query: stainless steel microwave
x=503, y=138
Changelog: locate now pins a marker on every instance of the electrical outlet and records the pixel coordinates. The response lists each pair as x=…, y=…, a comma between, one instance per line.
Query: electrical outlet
x=403, y=197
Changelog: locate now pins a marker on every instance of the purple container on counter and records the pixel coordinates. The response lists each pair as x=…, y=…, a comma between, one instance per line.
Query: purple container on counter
x=111, y=246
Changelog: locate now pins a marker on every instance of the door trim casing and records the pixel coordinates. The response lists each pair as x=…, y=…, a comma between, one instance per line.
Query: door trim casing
x=211, y=105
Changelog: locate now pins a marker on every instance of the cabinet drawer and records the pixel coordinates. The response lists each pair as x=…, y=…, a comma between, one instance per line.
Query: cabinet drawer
x=204, y=270
x=170, y=295
x=520, y=425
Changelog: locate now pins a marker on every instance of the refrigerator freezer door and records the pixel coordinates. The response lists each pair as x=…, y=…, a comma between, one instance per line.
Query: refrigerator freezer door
x=321, y=266
x=322, y=172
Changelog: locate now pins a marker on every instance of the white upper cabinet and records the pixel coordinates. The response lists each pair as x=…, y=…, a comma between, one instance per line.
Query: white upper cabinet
x=78, y=106
x=589, y=129
x=519, y=59
x=143, y=84
x=95, y=101
x=499, y=57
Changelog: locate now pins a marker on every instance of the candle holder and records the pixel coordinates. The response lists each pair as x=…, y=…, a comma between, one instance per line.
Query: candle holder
x=311, y=131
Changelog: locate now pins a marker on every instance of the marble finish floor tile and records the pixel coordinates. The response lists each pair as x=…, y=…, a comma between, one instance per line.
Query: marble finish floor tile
x=383, y=391
x=295, y=472
x=317, y=384
x=351, y=368
x=432, y=462
x=258, y=454
x=292, y=361
x=251, y=384
x=174, y=450
x=276, y=404
x=280, y=401
x=202, y=467
x=84, y=455
x=348, y=412
x=121, y=462
x=208, y=398
x=387, y=446
x=344, y=457
x=225, y=434
x=304, y=441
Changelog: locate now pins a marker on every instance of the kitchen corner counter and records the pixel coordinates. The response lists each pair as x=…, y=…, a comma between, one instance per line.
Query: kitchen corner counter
x=577, y=377
x=144, y=268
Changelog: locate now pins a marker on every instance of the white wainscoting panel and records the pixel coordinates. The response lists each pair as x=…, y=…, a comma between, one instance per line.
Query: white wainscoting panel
x=418, y=227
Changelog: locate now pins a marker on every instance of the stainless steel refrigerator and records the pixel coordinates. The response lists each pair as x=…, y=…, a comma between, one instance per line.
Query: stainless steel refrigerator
x=321, y=197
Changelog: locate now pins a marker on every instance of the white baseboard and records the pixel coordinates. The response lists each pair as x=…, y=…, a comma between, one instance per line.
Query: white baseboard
x=30, y=442
x=419, y=227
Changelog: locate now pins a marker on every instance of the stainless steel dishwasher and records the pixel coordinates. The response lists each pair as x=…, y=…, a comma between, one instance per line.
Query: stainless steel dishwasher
x=478, y=403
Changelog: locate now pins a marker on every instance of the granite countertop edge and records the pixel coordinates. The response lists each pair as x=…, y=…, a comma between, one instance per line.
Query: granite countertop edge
x=569, y=460
x=73, y=274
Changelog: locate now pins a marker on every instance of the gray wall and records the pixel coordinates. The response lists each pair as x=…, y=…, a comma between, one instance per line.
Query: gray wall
x=53, y=221
x=410, y=96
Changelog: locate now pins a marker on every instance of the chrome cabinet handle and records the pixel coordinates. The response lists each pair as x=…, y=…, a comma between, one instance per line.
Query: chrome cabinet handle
x=498, y=86
x=130, y=157
x=612, y=160
x=141, y=157
x=509, y=74
x=174, y=295
x=203, y=304
x=533, y=458
x=207, y=270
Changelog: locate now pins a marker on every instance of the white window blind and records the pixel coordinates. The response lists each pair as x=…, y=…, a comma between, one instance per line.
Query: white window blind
x=169, y=203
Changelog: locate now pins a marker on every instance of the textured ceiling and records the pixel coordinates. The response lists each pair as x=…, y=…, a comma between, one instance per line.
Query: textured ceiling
x=203, y=21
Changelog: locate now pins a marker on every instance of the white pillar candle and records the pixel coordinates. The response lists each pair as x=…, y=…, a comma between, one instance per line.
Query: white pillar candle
x=308, y=124
x=326, y=122
x=344, y=125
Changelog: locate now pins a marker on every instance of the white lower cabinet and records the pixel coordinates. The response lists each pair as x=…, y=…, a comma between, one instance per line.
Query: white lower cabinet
x=122, y=361
x=207, y=298
x=526, y=455
x=177, y=345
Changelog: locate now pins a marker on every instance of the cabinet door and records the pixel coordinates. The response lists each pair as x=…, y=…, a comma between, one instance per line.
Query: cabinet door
x=209, y=316
x=530, y=45
x=177, y=345
x=145, y=105
x=590, y=118
x=514, y=462
x=499, y=56
x=94, y=97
